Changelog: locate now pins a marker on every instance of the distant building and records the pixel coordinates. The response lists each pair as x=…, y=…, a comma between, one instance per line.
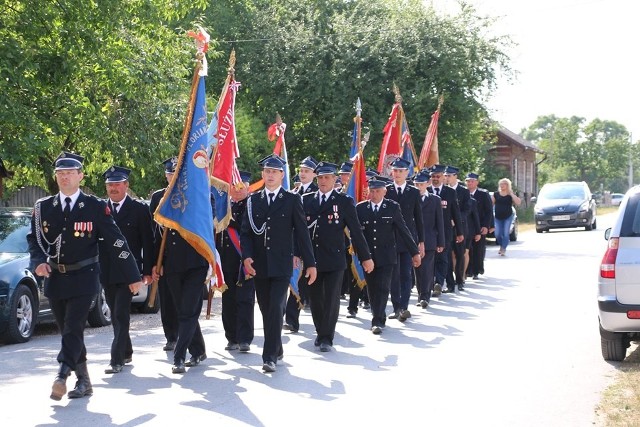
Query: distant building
x=520, y=158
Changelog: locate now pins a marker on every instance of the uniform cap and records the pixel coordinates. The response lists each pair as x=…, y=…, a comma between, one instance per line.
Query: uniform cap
x=326, y=168
x=272, y=161
x=245, y=176
x=170, y=164
x=451, y=170
x=116, y=174
x=377, y=182
x=423, y=176
x=346, y=167
x=400, y=163
x=438, y=169
x=309, y=162
x=68, y=161
x=472, y=175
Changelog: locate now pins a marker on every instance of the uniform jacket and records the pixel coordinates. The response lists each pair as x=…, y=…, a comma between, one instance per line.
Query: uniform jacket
x=380, y=230
x=450, y=212
x=134, y=221
x=410, y=206
x=231, y=259
x=431, y=209
x=464, y=203
x=473, y=221
x=485, y=207
x=313, y=187
x=178, y=255
x=89, y=220
x=281, y=222
x=326, y=227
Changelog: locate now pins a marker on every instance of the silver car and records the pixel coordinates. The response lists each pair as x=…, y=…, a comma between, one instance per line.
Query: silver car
x=619, y=281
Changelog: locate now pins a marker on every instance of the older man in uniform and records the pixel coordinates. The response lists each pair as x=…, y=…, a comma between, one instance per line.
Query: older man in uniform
x=168, y=311
x=408, y=197
x=134, y=221
x=238, y=301
x=63, y=245
x=381, y=221
x=457, y=270
x=452, y=224
x=306, y=173
x=328, y=212
x=485, y=213
x=431, y=209
x=273, y=219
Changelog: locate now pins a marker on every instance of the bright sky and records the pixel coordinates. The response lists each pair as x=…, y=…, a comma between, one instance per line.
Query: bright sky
x=574, y=58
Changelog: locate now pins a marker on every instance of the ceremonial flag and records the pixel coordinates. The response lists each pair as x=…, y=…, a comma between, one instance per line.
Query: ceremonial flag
x=224, y=170
x=429, y=155
x=408, y=151
x=276, y=133
x=356, y=188
x=391, y=147
x=186, y=204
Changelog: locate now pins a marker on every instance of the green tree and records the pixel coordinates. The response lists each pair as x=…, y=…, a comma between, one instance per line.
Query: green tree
x=108, y=80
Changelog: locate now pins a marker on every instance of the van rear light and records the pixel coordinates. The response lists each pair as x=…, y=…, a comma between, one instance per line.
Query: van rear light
x=608, y=264
x=633, y=314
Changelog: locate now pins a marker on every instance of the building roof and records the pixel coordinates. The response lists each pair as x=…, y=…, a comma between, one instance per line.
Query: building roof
x=518, y=140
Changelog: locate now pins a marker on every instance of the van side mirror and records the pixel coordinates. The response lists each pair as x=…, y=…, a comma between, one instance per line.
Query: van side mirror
x=607, y=233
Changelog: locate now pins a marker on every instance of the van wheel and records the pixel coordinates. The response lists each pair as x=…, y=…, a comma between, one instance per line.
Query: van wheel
x=23, y=315
x=100, y=314
x=615, y=349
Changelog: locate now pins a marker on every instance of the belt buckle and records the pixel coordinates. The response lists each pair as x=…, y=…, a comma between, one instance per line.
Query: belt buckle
x=62, y=268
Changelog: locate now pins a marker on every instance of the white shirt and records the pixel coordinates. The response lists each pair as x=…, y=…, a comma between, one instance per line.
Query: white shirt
x=73, y=197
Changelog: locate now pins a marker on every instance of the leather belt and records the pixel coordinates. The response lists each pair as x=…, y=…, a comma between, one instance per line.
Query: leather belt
x=63, y=268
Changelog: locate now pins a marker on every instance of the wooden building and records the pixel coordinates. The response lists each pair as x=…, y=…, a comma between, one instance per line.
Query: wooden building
x=519, y=158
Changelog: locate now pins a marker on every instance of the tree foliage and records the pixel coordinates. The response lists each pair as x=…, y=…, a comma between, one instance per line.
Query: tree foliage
x=104, y=79
x=597, y=152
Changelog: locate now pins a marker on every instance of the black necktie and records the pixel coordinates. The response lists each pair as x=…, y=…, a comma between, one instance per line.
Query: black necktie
x=399, y=191
x=375, y=208
x=67, y=206
x=115, y=209
x=324, y=199
x=271, y=198
x=437, y=190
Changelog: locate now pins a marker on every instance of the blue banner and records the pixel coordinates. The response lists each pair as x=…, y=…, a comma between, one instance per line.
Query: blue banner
x=186, y=205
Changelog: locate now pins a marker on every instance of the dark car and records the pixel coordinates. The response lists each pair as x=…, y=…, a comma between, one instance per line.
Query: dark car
x=564, y=205
x=22, y=300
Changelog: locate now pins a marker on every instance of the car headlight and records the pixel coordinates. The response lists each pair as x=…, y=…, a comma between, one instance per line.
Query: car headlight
x=538, y=211
x=584, y=207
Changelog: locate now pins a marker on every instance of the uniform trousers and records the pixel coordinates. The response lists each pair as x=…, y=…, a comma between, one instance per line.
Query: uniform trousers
x=271, y=294
x=425, y=276
x=292, y=308
x=378, y=283
x=442, y=262
x=402, y=282
x=324, y=297
x=237, y=310
x=478, y=251
x=458, y=269
x=71, y=316
x=168, y=313
x=119, y=301
x=186, y=289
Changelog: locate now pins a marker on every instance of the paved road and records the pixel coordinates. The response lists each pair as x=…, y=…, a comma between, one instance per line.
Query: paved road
x=519, y=348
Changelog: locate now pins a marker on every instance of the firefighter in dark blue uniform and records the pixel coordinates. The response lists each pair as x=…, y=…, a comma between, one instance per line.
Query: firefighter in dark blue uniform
x=306, y=174
x=381, y=221
x=63, y=244
x=168, y=313
x=273, y=220
x=134, y=221
x=238, y=300
x=328, y=212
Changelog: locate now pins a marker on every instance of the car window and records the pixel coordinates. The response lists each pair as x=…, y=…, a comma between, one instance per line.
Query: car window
x=562, y=192
x=631, y=219
x=13, y=234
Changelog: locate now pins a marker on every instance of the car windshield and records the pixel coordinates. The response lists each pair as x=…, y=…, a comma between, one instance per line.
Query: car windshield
x=13, y=233
x=562, y=192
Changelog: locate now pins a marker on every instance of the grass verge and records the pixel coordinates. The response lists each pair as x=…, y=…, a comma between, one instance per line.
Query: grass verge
x=620, y=402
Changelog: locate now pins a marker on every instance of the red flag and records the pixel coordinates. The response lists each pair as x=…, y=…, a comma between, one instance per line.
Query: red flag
x=275, y=132
x=392, y=140
x=429, y=155
x=224, y=171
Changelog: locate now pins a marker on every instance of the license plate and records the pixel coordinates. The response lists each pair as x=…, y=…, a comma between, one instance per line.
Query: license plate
x=561, y=217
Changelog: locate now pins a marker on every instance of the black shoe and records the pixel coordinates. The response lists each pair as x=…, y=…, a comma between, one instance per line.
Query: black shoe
x=113, y=369
x=269, y=367
x=394, y=315
x=178, y=367
x=195, y=360
x=460, y=288
x=377, y=330
x=288, y=327
x=423, y=303
x=83, y=385
x=244, y=347
x=448, y=291
x=437, y=289
x=475, y=277
x=231, y=346
x=169, y=346
x=324, y=347
x=128, y=360
x=366, y=306
x=351, y=314
x=59, y=387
